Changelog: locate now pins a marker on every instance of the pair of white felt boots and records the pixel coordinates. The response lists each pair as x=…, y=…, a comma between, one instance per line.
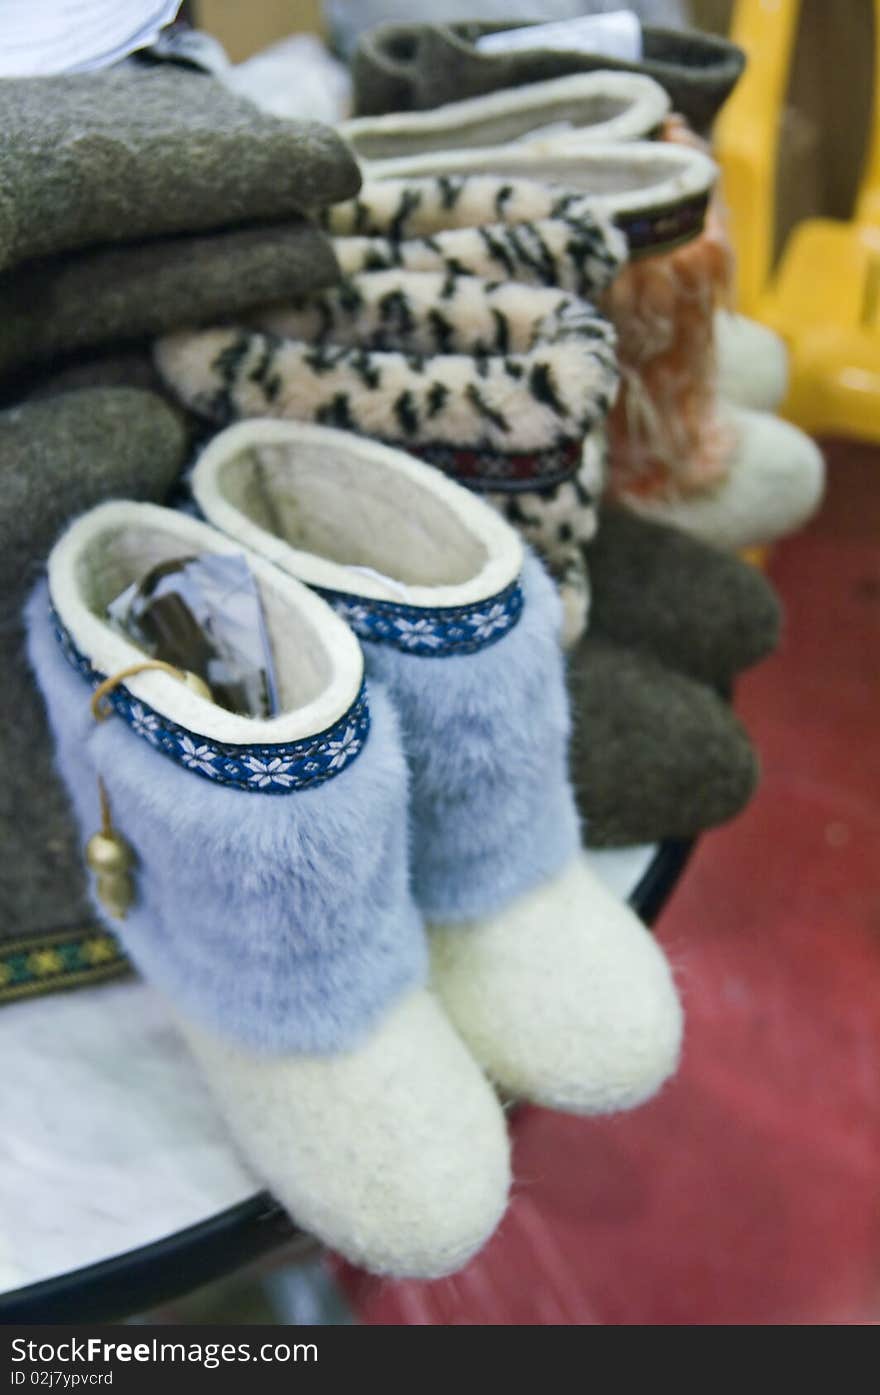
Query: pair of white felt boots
x=285, y=869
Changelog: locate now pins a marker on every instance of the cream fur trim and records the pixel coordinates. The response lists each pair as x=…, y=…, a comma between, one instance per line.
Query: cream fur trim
x=623, y=179
x=599, y=107
x=405, y=516
x=510, y=230
x=551, y=380
x=318, y=660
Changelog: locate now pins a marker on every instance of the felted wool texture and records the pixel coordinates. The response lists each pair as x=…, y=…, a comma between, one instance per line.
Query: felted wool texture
x=57, y=458
x=394, y=1154
x=125, y=294
x=127, y=367
x=752, y=362
x=655, y=754
x=425, y=360
x=775, y=481
x=412, y=67
x=564, y=998
x=502, y=228
x=285, y=923
x=486, y=738
x=135, y=152
x=364, y=356
x=701, y=611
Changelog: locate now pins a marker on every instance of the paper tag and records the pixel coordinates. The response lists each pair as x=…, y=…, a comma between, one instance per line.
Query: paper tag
x=39, y=37
x=205, y=614
x=617, y=34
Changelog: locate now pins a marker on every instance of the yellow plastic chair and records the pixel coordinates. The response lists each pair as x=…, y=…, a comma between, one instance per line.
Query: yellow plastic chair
x=824, y=297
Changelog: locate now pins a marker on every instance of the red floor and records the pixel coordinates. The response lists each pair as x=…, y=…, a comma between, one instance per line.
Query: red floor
x=749, y=1192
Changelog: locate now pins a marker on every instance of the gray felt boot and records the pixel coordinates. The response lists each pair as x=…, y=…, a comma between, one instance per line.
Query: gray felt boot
x=412, y=67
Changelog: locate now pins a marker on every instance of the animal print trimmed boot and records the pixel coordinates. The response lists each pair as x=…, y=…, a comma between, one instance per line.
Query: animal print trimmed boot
x=505, y=387
x=555, y=986
x=678, y=453
x=570, y=114
x=255, y=868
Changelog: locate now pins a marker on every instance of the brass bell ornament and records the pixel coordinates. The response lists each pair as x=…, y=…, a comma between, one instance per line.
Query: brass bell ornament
x=108, y=855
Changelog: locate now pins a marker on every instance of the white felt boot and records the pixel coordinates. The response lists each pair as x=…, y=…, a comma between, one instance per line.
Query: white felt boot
x=395, y=1153
x=555, y=986
x=268, y=898
x=752, y=362
x=774, y=483
x=564, y=997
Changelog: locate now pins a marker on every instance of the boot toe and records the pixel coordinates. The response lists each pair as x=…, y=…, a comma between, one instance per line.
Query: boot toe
x=395, y=1154
x=752, y=362
x=564, y=998
x=775, y=482
x=655, y=754
x=695, y=607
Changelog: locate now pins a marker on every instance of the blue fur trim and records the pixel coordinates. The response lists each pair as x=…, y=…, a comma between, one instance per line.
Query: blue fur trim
x=285, y=923
x=435, y=633
x=486, y=737
x=278, y=768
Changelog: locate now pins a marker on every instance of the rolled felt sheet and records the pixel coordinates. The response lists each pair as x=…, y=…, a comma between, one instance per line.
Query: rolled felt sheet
x=138, y=152
x=125, y=294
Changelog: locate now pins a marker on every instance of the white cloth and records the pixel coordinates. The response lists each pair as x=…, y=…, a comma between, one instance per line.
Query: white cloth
x=69, y=36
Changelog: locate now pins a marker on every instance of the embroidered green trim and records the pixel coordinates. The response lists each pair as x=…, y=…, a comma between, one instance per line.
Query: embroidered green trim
x=62, y=959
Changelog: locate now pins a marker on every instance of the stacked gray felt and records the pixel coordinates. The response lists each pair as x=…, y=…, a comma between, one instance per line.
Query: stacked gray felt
x=142, y=198
x=132, y=202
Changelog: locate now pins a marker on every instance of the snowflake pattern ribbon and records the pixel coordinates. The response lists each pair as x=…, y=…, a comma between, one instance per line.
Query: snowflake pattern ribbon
x=430, y=633
x=279, y=768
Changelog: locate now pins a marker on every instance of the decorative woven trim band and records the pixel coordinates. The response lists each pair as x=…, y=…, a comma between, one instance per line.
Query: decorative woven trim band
x=488, y=470
x=62, y=959
x=663, y=229
x=279, y=768
x=435, y=634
